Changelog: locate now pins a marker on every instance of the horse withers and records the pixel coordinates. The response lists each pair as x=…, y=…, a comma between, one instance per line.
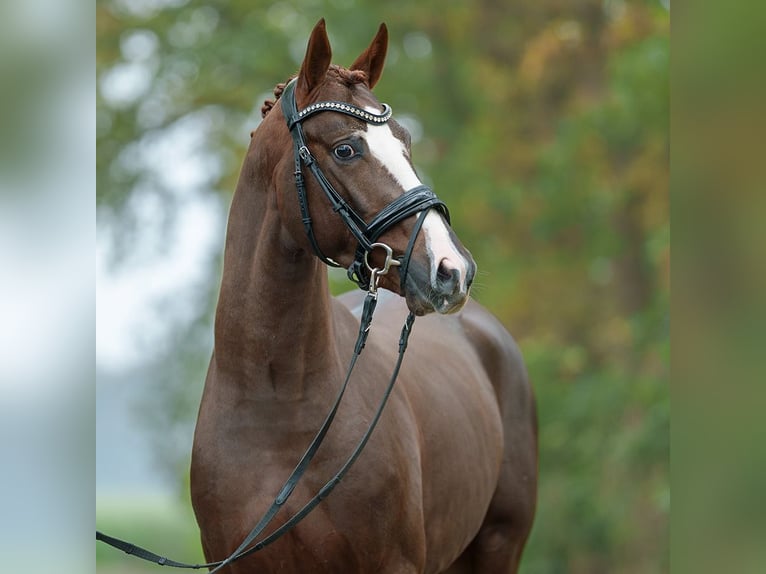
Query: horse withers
x=447, y=482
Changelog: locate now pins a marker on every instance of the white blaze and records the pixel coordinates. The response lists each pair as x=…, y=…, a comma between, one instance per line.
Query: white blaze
x=391, y=153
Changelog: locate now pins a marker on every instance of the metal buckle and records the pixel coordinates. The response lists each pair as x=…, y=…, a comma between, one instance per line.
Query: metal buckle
x=305, y=154
x=376, y=272
x=389, y=262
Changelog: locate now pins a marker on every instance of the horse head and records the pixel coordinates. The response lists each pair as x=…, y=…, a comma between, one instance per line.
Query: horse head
x=364, y=156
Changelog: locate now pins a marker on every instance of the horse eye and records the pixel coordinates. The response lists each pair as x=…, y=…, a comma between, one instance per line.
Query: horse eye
x=344, y=151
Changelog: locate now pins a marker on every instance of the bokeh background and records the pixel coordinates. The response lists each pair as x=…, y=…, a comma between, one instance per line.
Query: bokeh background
x=544, y=126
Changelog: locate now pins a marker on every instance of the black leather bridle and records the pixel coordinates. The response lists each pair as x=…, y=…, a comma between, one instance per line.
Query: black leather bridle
x=419, y=199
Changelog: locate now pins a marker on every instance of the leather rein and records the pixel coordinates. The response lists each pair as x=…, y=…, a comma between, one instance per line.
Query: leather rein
x=416, y=201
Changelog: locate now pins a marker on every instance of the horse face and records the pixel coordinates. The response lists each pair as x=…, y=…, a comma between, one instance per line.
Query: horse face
x=370, y=165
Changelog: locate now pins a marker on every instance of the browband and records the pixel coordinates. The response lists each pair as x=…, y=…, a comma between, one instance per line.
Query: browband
x=343, y=108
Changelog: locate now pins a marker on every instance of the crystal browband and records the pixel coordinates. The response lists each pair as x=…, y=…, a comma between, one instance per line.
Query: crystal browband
x=348, y=109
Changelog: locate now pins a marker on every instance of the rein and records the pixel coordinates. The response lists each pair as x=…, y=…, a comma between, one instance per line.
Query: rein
x=418, y=200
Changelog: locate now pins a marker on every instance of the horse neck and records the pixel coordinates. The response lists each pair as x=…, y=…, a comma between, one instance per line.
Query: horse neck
x=273, y=326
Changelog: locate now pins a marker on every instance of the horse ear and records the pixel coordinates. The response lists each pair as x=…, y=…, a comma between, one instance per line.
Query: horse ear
x=317, y=59
x=372, y=59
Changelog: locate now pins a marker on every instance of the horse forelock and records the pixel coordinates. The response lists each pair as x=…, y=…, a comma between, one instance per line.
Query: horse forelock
x=348, y=77
x=338, y=73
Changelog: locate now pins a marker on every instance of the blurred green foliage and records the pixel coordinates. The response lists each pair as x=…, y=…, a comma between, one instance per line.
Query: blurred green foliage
x=544, y=126
x=151, y=522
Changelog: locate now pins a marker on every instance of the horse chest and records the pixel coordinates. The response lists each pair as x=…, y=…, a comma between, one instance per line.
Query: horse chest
x=364, y=524
x=239, y=467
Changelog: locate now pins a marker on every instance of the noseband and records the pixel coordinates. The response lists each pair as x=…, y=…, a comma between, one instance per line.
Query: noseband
x=419, y=199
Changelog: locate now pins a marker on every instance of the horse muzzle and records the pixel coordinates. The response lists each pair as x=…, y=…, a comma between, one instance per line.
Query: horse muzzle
x=443, y=290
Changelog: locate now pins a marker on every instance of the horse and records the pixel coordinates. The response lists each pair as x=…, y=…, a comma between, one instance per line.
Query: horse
x=448, y=480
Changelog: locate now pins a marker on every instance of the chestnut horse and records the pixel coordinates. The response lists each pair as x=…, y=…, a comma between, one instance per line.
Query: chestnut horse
x=447, y=482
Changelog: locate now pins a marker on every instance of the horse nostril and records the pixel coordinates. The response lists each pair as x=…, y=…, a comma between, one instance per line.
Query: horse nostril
x=443, y=273
x=447, y=276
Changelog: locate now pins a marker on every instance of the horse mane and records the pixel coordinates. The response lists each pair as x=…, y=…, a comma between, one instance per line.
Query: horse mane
x=348, y=77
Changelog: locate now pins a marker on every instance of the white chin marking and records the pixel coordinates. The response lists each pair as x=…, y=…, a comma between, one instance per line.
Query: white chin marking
x=391, y=153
